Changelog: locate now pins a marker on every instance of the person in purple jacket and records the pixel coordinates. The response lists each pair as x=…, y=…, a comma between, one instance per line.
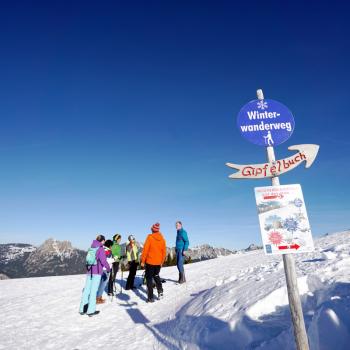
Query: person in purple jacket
x=93, y=277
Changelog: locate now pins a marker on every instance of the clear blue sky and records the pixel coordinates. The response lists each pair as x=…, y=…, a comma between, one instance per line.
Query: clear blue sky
x=115, y=115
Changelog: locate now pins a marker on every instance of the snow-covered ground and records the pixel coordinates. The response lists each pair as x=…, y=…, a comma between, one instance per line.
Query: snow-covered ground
x=234, y=302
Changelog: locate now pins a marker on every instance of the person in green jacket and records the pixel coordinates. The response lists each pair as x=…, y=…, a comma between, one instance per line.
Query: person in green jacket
x=116, y=254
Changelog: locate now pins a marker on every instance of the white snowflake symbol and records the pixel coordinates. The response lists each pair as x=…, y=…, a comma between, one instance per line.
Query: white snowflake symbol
x=262, y=104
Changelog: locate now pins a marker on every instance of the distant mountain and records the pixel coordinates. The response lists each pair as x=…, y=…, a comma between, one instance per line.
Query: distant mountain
x=13, y=257
x=206, y=252
x=54, y=258
x=253, y=247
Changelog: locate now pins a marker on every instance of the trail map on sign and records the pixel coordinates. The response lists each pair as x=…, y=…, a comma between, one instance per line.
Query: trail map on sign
x=283, y=219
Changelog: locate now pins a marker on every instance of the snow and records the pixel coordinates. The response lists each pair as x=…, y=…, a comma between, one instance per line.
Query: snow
x=234, y=302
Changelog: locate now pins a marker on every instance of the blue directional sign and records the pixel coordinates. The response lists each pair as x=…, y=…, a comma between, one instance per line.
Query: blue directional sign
x=265, y=122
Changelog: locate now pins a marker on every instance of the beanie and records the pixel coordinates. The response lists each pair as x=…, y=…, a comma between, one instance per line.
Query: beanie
x=155, y=227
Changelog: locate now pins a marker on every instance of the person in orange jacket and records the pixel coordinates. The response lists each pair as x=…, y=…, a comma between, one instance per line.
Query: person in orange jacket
x=153, y=257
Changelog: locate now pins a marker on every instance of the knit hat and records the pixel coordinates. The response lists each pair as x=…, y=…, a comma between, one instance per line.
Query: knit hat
x=116, y=237
x=155, y=227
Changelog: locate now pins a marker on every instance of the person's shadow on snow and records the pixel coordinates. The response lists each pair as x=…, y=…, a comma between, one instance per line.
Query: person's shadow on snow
x=135, y=314
x=141, y=293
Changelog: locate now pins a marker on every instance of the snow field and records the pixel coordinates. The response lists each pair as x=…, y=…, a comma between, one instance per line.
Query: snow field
x=234, y=302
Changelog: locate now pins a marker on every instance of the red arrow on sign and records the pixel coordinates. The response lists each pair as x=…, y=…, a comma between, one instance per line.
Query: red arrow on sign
x=274, y=196
x=293, y=246
x=271, y=197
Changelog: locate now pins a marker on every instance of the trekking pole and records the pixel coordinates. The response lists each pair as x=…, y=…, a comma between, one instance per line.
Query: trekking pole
x=121, y=281
x=112, y=277
x=114, y=287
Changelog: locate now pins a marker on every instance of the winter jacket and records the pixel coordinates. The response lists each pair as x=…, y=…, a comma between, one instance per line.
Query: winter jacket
x=100, y=258
x=116, y=251
x=109, y=257
x=132, y=252
x=154, y=249
x=182, y=241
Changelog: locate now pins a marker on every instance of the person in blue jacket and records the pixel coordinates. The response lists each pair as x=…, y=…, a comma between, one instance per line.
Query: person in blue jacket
x=181, y=246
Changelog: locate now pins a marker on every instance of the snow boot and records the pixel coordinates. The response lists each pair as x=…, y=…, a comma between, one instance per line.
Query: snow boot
x=150, y=300
x=160, y=295
x=94, y=313
x=182, y=278
x=99, y=300
x=84, y=309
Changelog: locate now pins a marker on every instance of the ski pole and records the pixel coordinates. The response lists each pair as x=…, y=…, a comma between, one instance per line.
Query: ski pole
x=121, y=282
x=114, y=286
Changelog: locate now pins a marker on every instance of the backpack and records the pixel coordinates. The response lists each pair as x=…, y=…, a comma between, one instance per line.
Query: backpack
x=91, y=257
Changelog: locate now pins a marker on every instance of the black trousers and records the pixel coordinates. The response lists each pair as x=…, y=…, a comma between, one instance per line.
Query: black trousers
x=112, y=276
x=132, y=274
x=152, y=273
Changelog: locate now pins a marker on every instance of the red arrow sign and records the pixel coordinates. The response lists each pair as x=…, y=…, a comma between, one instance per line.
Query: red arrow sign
x=293, y=246
x=274, y=196
x=271, y=197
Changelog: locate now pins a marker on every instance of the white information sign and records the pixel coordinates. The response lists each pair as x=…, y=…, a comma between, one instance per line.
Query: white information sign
x=283, y=220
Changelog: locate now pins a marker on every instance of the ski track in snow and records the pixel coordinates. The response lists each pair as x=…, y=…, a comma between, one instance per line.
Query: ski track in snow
x=234, y=302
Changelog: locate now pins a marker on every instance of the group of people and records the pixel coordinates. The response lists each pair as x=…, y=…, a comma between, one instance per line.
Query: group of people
x=104, y=257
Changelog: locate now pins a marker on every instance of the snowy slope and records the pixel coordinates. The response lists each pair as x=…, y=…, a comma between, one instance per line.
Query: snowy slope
x=233, y=302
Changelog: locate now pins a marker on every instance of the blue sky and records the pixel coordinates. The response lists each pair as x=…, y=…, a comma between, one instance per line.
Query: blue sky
x=115, y=116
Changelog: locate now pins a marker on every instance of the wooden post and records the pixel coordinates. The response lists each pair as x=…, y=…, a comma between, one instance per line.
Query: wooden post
x=290, y=273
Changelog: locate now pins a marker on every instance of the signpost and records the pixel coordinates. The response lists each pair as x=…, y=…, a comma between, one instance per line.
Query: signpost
x=282, y=215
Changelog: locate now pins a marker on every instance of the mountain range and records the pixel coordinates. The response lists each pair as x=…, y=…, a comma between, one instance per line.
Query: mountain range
x=55, y=258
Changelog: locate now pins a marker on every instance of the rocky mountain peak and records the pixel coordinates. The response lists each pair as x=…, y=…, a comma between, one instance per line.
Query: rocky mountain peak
x=253, y=247
x=51, y=245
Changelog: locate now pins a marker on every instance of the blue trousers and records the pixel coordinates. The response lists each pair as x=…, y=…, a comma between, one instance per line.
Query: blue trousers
x=89, y=293
x=180, y=261
x=103, y=283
